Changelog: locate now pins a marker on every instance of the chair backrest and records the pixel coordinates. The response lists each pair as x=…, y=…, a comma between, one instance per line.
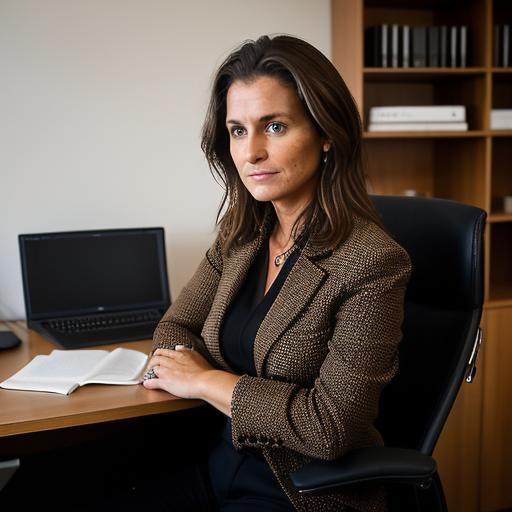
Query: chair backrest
x=443, y=307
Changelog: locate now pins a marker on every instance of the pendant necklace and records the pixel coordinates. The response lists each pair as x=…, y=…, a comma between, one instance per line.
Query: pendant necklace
x=281, y=258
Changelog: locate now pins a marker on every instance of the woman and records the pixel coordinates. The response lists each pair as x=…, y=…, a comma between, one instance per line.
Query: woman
x=290, y=325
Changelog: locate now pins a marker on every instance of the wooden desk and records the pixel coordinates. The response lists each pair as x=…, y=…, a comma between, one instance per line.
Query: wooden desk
x=23, y=412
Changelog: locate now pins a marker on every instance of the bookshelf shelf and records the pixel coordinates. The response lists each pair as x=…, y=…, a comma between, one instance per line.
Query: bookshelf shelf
x=500, y=303
x=502, y=71
x=500, y=217
x=468, y=166
x=501, y=133
x=425, y=135
x=422, y=72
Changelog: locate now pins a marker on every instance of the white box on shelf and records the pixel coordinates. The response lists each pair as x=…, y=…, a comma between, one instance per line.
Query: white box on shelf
x=438, y=127
x=436, y=113
x=501, y=124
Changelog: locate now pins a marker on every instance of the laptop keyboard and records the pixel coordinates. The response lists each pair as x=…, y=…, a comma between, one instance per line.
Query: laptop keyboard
x=104, y=322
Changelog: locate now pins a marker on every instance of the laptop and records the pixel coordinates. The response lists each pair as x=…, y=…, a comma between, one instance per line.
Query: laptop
x=85, y=288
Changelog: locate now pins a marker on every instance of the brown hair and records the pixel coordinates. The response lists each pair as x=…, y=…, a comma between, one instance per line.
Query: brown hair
x=341, y=191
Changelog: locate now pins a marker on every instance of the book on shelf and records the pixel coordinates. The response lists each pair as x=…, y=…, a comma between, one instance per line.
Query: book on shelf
x=376, y=46
x=506, y=46
x=452, y=55
x=408, y=114
x=417, y=126
x=63, y=371
x=496, y=37
x=463, y=46
x=433, y=47
x=405, y=46
x=419, y=46
x=501, y=46
x=443, y=46
x=393, y=45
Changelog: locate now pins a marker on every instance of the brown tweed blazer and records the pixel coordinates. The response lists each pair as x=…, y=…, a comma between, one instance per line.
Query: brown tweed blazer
x=322, y=354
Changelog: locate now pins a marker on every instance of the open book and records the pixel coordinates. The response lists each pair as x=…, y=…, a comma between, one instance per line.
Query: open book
x=63, y=371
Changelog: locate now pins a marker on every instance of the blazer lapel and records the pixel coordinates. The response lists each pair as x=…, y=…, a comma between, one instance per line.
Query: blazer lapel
x=299, y=288
x=236, y=267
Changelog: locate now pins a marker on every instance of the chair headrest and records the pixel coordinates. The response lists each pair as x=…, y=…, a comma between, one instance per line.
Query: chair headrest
x=441, y=238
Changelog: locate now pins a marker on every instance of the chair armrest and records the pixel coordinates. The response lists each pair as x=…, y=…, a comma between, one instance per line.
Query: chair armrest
x=375, y=464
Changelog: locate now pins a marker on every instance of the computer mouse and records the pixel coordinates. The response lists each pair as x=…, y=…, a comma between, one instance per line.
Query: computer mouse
x=8, y=340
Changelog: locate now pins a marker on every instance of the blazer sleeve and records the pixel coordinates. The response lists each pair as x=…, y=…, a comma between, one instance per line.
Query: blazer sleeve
x=183, y=321
x=338, y=412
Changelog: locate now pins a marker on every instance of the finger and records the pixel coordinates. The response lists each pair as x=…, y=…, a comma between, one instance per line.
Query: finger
x=167, y=361
x=182, y=347
x=163, y=352
x=153, y=384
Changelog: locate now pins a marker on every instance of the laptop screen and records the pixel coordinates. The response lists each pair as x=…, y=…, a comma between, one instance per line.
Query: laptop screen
x=87, y=272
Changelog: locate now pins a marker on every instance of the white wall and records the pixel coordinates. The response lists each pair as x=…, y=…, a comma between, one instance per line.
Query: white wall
x=101, y=106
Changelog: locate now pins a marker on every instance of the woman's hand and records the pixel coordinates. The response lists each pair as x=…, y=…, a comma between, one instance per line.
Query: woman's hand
x=178, y=371
x=185, y=373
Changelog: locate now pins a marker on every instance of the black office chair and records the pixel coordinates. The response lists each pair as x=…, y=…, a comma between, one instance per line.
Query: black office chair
x=441, y=336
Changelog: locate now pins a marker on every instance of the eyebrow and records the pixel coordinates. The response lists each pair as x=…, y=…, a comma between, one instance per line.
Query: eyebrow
x=263, y=119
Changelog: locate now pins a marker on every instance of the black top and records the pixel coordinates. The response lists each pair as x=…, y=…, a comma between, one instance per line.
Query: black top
x=243, y=475
x=247, y=311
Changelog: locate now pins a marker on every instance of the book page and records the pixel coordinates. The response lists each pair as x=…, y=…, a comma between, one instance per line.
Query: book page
x=121, y=366
x=59, y=372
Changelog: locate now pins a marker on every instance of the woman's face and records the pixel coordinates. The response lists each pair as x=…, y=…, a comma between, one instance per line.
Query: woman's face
x=274, y=145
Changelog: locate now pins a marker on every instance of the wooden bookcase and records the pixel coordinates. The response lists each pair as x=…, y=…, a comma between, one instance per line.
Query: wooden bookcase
x=474, y=453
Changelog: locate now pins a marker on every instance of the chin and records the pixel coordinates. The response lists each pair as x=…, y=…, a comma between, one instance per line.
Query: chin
x=263, y=196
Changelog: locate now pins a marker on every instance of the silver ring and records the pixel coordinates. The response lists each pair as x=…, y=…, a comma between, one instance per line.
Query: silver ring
x=150, y=374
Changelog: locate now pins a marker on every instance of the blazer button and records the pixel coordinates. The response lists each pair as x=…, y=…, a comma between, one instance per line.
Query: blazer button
x=253, y=440
x=241, y=439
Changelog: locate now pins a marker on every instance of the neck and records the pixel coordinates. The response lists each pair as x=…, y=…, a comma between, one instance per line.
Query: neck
x=286, y=218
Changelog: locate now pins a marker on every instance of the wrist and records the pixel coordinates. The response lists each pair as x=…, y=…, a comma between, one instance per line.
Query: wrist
x=206, y=381
x=216, y=386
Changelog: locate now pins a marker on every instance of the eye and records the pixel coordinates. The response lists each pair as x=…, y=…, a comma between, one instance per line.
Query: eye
x=237, y=132
x=276, y=128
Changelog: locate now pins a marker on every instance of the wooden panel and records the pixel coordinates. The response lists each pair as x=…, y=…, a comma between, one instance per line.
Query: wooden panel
x=411, y=169
x=380, y=15
x=497, y=412
x=347, y=45
x=458, y=450
x=460, y=170
x=445, y=168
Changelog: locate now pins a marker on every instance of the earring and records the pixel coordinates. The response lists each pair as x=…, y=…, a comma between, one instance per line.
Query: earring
x=326, y=148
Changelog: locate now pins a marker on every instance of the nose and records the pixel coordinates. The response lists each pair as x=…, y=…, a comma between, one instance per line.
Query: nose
x=256, y=149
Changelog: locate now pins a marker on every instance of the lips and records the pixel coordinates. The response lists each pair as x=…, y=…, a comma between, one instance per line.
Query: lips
x=261, y=174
